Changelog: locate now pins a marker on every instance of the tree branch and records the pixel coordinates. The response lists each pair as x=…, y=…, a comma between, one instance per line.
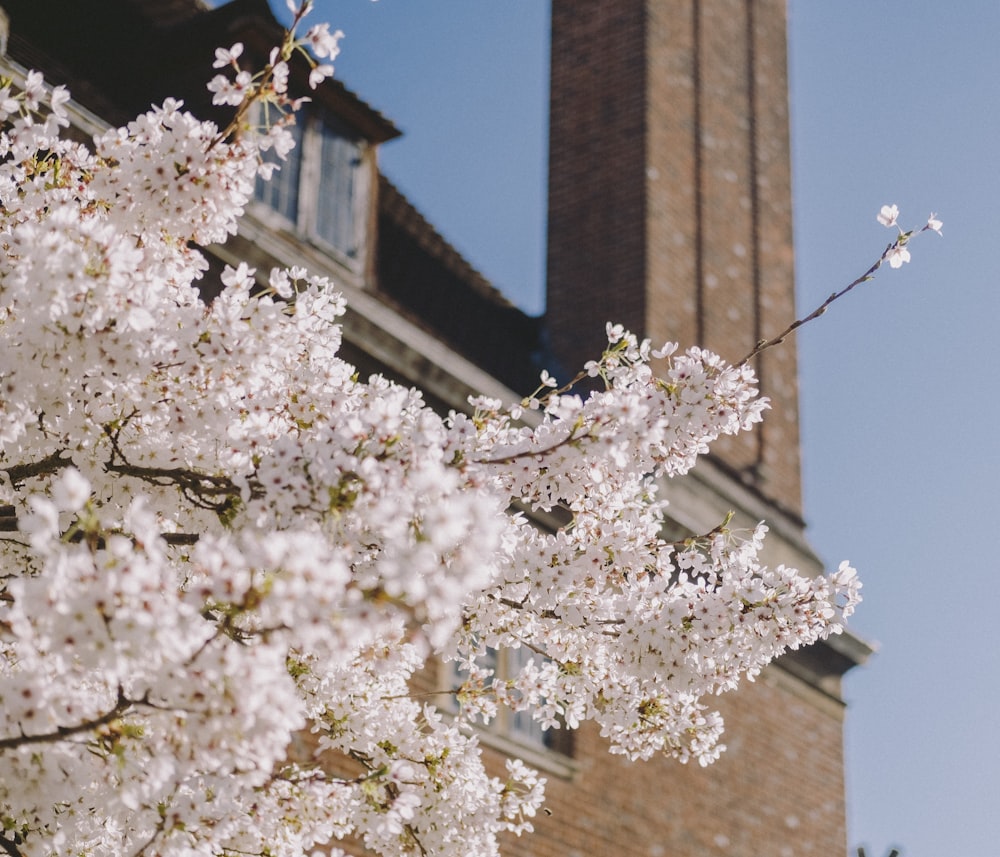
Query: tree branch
x=764, y=344
x=10, y=847
x=50, y=464
x=201, y=489
x=8, y=519
x=64, y=732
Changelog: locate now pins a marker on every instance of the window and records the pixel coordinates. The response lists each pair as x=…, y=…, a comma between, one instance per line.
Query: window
x=339, y=173
x=516, y=726
x=322, y=188
x=281, y=191
x=521, y=725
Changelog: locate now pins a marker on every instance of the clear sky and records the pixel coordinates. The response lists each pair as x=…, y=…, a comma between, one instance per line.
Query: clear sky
x=892, y=101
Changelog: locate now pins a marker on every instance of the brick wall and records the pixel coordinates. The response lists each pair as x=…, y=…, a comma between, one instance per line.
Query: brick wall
x=669, y=195
x=597, y=118
x=777, y=791
x=670, y=211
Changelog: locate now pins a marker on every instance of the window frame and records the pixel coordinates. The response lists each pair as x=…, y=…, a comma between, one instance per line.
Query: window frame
x=318, y=125
x=514, y=733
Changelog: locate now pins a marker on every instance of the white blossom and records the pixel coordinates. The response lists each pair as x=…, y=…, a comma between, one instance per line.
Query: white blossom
x=230, y=91
x=319, y=74
x=888, y=215
x=323, y=43
x=227, y=56
x=234, y=553
x=897, y=254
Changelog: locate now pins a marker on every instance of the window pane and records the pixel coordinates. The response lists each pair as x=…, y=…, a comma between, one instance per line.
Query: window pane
x=282, y=192
x=340, y=159
x=522, y=726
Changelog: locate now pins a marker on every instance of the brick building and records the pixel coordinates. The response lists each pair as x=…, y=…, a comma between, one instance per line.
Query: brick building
x=669, y=210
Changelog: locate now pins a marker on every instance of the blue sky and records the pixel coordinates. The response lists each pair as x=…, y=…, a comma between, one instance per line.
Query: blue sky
x=891, y=102
x=898, y=102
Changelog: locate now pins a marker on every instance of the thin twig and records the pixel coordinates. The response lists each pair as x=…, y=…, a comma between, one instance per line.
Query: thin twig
x=901, y=241
x=764, y=344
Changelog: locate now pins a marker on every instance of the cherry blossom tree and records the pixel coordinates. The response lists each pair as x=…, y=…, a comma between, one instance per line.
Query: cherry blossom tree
x=217, y=537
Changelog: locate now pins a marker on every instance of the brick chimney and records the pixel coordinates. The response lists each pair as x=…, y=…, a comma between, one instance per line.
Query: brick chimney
x=670, y=196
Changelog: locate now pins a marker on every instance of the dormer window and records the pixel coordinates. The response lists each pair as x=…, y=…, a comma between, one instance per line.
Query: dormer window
x=322, y=189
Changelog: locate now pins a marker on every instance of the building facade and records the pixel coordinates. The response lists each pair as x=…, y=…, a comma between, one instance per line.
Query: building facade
x=670, y=211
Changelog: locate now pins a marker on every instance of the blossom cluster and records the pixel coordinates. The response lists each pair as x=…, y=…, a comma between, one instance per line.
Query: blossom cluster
x=232, y=555
x=897, y=254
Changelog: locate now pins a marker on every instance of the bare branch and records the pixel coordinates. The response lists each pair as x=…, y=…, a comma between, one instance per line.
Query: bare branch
x=50, y=464
x=764, y=344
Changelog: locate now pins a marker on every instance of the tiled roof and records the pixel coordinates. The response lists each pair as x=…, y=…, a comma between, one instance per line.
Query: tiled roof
x=167, y=13
x=427, y=279
x=395, y=206
x=118, y=56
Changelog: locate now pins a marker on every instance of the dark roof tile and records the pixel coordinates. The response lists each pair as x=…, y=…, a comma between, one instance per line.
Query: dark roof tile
x=427, y=279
